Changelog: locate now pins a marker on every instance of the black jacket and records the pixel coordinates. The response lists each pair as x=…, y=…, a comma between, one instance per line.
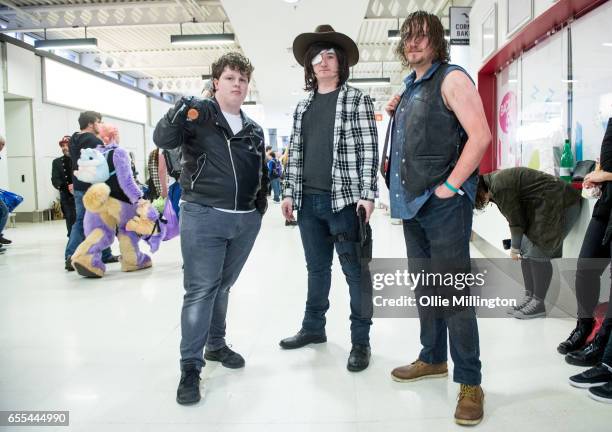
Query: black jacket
x=78, y=142
x=219, y=169
x=61, y=173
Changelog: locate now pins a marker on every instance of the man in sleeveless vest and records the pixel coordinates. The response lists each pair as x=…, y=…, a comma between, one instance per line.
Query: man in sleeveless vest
x=439, y=136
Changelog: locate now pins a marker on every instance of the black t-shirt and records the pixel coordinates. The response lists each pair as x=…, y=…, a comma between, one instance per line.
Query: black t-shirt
x=318, y=143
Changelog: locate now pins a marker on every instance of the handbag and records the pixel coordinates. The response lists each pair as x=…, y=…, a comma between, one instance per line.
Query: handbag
x=10, y=199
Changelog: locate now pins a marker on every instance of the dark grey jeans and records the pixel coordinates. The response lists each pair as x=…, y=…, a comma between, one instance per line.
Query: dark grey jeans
x=215, y=245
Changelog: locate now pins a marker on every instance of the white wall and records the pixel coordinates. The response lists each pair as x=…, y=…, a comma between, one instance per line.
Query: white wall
x=21, y=71
x=20, y=152
x=479, y=11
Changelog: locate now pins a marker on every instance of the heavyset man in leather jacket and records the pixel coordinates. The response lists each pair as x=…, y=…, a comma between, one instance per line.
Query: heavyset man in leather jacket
x=224, y=180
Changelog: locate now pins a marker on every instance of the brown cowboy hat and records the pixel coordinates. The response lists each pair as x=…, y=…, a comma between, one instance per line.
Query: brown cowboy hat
x=325, y=33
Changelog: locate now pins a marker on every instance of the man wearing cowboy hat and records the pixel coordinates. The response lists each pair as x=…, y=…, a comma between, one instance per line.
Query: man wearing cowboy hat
x=331, y=173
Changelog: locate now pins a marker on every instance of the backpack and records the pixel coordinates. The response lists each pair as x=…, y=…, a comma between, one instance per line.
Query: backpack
x=93, y=166
x=173, y=162
x=277, y=170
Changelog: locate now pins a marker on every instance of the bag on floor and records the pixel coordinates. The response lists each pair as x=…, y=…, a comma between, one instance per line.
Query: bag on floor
x=10, y=199
x=599, y=314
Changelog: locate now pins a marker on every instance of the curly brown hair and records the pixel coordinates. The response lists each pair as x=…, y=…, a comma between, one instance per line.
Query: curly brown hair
x=233, y=60
x=414, y=26
x=310, y=80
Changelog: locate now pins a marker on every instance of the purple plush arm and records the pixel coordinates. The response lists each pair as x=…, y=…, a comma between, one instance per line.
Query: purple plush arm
x=123, y=168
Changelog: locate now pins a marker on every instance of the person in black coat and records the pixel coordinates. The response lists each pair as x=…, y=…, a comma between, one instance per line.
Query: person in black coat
x=61, y=178
x=594, y=257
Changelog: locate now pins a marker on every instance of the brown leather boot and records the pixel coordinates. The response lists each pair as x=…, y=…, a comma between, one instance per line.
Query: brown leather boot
x=470, y=403
x=419, y=370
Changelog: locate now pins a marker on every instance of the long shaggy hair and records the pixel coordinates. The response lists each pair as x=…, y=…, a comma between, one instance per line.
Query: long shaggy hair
x=310, y=79
x=420, y=24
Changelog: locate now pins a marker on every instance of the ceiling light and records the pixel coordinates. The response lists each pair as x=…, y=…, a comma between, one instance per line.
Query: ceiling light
x=393, y=35
x=381, y=81
x=291, y=1
x=607, y=44
x=50, y=44
x=202, y=39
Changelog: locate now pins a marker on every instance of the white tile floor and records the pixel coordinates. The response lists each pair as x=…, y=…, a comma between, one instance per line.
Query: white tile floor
x=107, y=351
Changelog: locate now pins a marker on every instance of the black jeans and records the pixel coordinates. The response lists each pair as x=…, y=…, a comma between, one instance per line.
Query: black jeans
x=317, y=224
x=593, y=259
x=68, y=209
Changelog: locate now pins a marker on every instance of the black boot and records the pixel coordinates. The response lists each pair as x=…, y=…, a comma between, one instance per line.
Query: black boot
x=577, y=337
x=302, y=339
x=188, y=391
x=591, y=354
x=359, y=359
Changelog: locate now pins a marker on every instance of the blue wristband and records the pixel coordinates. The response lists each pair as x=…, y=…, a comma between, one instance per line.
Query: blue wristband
x=453, y=188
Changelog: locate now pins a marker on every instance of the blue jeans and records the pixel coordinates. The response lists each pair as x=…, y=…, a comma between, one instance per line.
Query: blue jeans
x=4, y=214
x=437, y=239
x=76, y=233
x=215, y=245
x=276, y=188
x=317, y=224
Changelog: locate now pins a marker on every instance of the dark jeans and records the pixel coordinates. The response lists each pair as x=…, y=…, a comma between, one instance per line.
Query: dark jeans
x=77, y=235
x=215, y=245
x=276, y=188
x=437, y=240
x=68, y=209
x=592, y=261
x=318, y=223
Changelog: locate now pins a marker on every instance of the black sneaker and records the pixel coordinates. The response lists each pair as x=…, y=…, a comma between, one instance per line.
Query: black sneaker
x=359, y=359
x=602, y=393
x=4, y=241
x=2, y=250
x=534, y=309
x=68, y=264
x=595, y=376
x=302, y=339
x=227, y=357
x=521, y=304
x=188, y=391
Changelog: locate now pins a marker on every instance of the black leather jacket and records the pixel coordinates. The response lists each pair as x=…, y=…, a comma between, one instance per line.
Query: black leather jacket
x=219, y=169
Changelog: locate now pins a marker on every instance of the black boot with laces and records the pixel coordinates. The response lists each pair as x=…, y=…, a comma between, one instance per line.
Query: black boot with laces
x=188, y=391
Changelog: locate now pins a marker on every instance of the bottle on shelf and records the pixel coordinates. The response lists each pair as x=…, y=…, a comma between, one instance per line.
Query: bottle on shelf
x=567, y=162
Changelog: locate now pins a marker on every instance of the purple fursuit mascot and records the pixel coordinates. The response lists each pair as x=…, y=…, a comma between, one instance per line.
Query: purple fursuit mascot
x=111, y=201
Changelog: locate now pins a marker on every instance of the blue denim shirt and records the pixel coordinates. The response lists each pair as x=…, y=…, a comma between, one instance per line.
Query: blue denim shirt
x=404, y=206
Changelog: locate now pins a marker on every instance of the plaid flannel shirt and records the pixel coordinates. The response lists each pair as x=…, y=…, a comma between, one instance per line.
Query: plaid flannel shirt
x=355, y=158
